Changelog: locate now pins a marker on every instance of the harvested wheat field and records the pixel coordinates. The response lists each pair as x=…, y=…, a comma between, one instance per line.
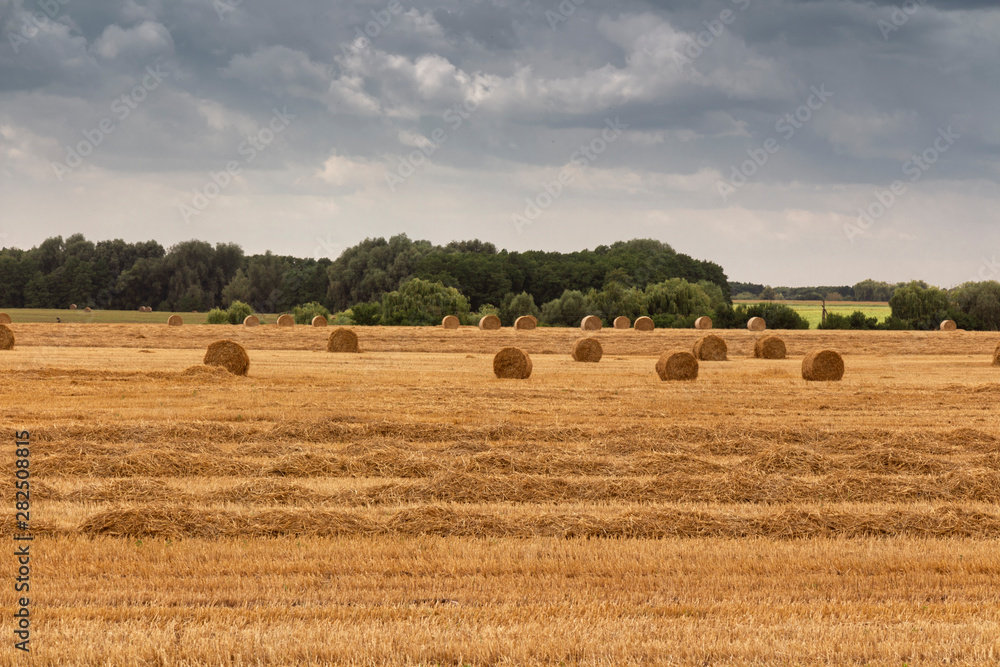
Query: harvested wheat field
x=406, y=506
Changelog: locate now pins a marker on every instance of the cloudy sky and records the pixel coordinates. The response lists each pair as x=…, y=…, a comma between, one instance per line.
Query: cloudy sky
x=747, y=132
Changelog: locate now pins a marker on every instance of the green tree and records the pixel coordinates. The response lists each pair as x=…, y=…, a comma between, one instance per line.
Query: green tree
x=305, y=313
x=238, y=288
x=921, y=305
x=420, y=302
x=518, y=305
x=239, y=311
x=981, y=302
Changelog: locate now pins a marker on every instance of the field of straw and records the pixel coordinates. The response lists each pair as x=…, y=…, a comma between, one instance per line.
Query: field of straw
x=405, y=506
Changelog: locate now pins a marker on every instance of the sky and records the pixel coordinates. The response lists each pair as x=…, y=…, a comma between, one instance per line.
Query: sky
x=791, y=142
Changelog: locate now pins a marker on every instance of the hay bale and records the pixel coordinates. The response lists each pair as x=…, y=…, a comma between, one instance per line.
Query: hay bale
x=87, y=309
x=756, y=324
x=4, y=318
x=703, y=323
x=644, y=324
x=490, y=323
x=229, y=355
x=175, y=321
x=319, y=321
x=622, y=322
x=587, y=349
x=591, y=323
x=823, y=366
x=72, y=306
x=342, y=340
x=6, y=338
x=511, y=363
x=677, y=365
x=711, y=348
x=948, y=325
x=286, y=320
x=451, y=322
x=251, y=321
x=526, y=323
x=996, y=355
x=769, y=347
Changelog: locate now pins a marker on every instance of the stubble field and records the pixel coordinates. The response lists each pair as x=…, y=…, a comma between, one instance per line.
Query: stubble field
x=403, y=506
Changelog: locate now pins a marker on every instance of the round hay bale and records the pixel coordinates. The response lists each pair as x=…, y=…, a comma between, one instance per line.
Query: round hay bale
x=511, y=363
x=677, y=365
x=591, y=323
x=286, y=320
x=587, y=349
x=319, y=321
x=342, y=340
x=490, y=323
x=72, y=306
x=87, y=310
x=769, y=347
x=949, y=325
x=823, y=366
x=756, y=324
x=526, y=323
x=622, y=322
x=4, y=318
x=251, y=321
x=711, y=348
x=451, y=322
x=703, y=323
x=175, y=321
x=996, y=355
x=228, y=354
x=644, y=324
x=6, y=338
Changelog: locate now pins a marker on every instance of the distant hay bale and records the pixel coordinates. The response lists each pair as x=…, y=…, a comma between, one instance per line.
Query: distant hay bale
x=6, y=338
x=949, y=325
x=286, y=320
x=251, y=321
x=587, y=349
x=229, y=355
x=319, y=321
x=677, y=365
x=526, y=323
x=87, y=309
x=342, y=340
x=756, y=324
x=72, y=306
x=175, y=321
x=622, y=322
x=996, y=355
x=511, y=363
x=451, y=322
x=4, y=318
x=703, y=322
x=591, y=323
x=490, y=323
x=711, y=348
x=823, y=366
x=769, y=347
x=644, y=324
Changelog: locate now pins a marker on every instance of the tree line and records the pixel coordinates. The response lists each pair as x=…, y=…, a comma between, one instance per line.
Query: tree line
x=198, y=276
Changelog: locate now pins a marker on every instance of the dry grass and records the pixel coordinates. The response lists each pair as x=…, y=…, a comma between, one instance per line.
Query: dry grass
x=407, y=508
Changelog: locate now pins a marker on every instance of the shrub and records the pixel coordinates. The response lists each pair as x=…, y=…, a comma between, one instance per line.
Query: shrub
x=217, y=316
x=239, y=311
x=306, y=312
x=366, y=314
x=422, y=303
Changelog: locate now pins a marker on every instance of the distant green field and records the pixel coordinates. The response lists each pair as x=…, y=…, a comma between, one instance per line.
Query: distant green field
x=108, y=316
x=813, y=310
